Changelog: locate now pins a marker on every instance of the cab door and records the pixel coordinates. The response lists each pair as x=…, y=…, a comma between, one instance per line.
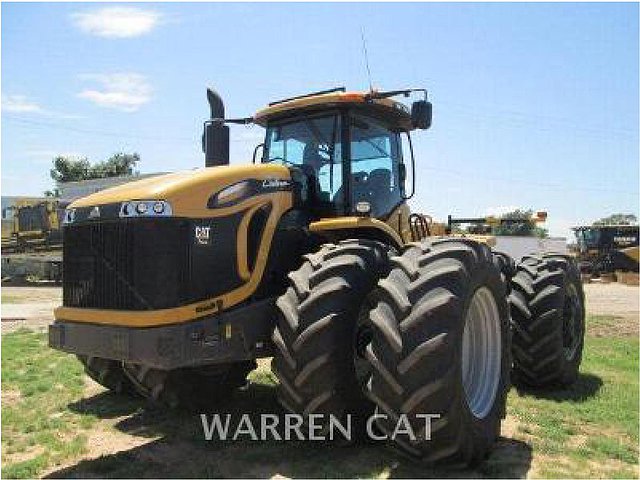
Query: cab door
x=376, y=154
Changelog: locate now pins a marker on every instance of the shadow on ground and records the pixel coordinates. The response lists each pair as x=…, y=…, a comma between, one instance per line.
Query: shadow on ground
x=586, y=386
x=179, y=449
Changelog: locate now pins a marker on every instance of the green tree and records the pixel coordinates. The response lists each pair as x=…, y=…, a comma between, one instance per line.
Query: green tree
x=67, y=169
x=522, y=227
x=117, y=165
x=618, y=219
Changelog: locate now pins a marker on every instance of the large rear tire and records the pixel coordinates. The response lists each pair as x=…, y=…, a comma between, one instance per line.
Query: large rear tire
x=107, y=373
x=547, y=311
x=195, y=388
x=441, y=347
x=320, y=349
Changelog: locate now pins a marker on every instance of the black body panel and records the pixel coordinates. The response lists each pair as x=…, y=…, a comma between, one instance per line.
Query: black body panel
x=242, y=333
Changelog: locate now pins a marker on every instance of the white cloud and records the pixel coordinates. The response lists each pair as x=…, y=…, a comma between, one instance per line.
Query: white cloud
x=122, y=91
x=117, y=22
x=20, y=104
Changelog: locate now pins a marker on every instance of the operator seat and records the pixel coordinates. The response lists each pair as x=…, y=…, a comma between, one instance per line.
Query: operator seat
x=381, y=196
x=311, y=163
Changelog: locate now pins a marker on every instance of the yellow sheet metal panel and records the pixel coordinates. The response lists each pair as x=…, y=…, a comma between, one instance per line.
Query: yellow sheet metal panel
x=280, y=202
x=632, y=252
x=187, y=191
x=399, y=221
x=346, y=223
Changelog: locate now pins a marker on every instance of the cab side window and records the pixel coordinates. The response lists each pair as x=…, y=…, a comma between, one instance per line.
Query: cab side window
x=375, y=156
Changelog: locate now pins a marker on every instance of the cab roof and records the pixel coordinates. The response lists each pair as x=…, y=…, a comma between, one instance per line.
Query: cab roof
x=396, y=114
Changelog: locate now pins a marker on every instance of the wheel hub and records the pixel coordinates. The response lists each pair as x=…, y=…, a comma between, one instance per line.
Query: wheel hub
x=481, y=352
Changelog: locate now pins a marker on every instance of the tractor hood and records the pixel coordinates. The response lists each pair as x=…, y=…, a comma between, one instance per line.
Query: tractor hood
x=188, y=191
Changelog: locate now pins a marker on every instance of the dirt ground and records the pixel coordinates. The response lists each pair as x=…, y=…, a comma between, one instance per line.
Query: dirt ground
x=613, y=299
x=32, y=307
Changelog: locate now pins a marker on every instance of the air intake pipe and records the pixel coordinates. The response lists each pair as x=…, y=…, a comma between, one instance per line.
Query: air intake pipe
x=215, y=139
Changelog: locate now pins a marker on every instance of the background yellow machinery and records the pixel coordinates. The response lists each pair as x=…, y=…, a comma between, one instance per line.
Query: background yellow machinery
x=607, y=248
x=33, y=225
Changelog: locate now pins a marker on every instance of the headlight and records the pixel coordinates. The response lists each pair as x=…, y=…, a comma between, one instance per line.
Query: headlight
x=158, y=208
x=69, y=216
x=141, y=208
x=146, y=208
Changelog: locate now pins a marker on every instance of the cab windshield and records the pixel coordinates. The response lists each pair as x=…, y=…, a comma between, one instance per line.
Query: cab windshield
x=589, y=237
x=314, y=145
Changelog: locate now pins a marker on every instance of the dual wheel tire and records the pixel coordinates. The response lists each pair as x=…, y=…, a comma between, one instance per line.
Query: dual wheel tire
x=426, y=332
x=108, y=373
x=191, y=388
x=194, y=388
x=548, y=321
x=364, y=332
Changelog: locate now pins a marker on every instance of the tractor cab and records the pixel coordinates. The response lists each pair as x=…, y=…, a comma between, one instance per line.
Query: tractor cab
x=344, y=149
x=346, y=146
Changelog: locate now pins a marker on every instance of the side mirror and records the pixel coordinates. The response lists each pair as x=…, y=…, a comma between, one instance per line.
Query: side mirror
x=402, y=173
x=421, y=112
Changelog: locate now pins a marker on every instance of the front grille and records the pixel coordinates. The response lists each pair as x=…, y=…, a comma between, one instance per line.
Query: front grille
x=31, y=218
x=127, y=264
x=148, y=264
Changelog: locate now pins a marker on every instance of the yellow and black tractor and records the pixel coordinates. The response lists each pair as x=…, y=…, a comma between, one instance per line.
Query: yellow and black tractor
x=33, y=224
x=607, y=248
x=175, y=285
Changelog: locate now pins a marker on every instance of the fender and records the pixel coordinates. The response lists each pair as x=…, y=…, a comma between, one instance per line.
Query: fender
x=372, y=227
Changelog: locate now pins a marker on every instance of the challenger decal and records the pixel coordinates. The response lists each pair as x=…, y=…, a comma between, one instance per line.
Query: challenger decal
x=276, y=183
x=249, y=188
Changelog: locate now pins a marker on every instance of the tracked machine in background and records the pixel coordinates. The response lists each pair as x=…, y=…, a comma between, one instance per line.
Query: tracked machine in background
x=605, y=249
x=175, y=285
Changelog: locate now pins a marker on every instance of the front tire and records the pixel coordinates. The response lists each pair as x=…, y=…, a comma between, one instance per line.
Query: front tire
x=441, y=346
x=194, y=388
x=316, y=337
x=108, y=373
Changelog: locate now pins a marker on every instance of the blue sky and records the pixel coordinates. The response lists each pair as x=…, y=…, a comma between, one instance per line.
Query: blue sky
x=535, y=105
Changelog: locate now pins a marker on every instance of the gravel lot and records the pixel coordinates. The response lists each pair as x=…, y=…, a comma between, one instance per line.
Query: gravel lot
x=30, y=307
x=33, y=306
x=613, y=299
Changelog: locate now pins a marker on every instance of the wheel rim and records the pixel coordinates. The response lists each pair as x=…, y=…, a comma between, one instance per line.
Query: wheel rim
x=481, y=352
x=571, y=323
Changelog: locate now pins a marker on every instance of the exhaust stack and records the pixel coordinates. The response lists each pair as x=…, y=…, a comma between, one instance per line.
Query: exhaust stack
x=215, y=139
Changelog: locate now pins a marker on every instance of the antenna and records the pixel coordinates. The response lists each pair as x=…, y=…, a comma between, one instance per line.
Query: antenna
x=366, y=58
